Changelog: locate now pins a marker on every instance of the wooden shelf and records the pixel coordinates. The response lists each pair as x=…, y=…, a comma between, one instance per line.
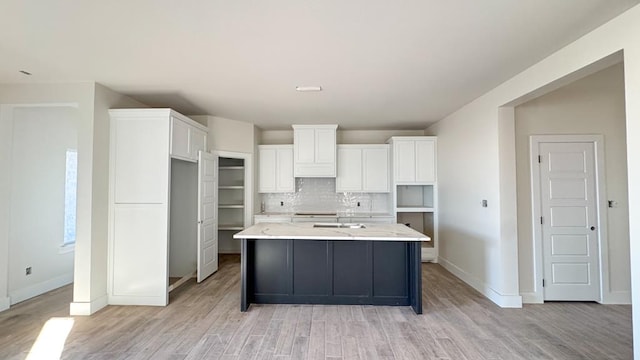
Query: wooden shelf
x=415, y=209
x=230, y=187
x=230, y=206
x=231, y=227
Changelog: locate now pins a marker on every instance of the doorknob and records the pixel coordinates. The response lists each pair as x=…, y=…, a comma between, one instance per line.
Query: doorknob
x=593, y=228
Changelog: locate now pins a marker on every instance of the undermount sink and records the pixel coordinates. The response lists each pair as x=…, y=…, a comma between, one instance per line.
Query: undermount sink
x=339, y=225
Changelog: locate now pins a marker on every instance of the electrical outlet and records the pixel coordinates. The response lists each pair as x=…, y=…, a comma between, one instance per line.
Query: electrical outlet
x=27, y=271
x=281, y=203
x=358, y=203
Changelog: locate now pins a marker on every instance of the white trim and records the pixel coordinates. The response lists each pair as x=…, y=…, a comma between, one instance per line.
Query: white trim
x=87, y=308
x=34, y=290
x=504, y=301
x=617, y=298
x=601, y=212
x=531, y=298
x=5, y=303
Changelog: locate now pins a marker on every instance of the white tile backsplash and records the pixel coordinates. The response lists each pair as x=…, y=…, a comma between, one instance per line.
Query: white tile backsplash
x=319, y=194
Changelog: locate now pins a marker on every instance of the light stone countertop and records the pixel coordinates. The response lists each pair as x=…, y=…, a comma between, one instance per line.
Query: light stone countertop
x=379, y=232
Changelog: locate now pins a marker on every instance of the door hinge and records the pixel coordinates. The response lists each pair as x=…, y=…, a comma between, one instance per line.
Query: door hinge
x=539, y=159
x=541, y=221
x=542, y=282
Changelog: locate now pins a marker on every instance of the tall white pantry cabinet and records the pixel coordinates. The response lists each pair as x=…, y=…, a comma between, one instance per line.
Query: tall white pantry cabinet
x=416, y=188
x=162, y=205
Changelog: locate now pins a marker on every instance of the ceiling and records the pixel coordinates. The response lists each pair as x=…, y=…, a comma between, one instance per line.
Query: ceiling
x=382, y=64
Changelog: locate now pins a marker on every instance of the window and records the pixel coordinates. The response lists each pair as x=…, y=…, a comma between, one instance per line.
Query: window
x=70, y=191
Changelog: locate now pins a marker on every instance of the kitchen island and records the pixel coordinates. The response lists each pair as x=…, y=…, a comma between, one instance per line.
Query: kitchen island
x=331, y=263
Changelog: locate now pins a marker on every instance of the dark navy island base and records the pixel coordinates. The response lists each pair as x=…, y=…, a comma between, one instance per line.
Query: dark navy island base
x=344, y=272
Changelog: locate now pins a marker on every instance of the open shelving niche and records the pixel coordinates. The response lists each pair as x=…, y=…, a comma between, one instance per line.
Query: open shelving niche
x=234, y=198
x=416, y=207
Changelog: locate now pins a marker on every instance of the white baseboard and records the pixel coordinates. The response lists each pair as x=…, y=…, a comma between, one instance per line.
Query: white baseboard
x=531, y=298
x=617, y=298
x=40, y=288
x=87, y=308
x=505, y=301
x=5, y=303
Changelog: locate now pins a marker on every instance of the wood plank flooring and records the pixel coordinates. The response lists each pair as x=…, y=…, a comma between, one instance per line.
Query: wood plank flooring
x=204, y=322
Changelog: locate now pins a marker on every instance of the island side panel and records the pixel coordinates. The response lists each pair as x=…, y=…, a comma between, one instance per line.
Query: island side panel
x=244, y=270
x=415, y=277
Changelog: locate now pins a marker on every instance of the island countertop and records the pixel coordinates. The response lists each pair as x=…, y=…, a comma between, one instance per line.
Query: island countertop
x=376, y=232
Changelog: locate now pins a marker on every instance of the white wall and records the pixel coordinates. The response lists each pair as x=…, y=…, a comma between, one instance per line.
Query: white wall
x=228, y=135
x=592, y=105
x=90, y=272
x=480, y=245
x=41, y=137
x=78, y=94
x=92, y=101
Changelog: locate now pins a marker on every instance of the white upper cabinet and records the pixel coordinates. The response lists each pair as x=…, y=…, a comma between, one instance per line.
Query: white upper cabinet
x=375, y=168
x=187, y=138
x=414, y=160
x=349, y=176
x=363, y=168
x=314, y=150
x=276, y=169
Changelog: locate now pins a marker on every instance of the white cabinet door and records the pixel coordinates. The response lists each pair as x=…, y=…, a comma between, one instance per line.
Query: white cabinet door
x=198, y=142
x=375, y=169
x=349, y=176
x=285, y=182
x=275, y=169
x=267, y=169
x=325, y=144
x=404, y=158
x=425, y=161
x=414, y=160
x=207, y=215
x=314, y=150
x=180, y=146
x=305, y=146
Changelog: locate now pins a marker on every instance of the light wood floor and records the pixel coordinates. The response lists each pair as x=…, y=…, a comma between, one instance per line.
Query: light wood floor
x=204, y=322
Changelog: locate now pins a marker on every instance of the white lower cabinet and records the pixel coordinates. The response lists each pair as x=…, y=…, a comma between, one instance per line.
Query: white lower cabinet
x=363, y=168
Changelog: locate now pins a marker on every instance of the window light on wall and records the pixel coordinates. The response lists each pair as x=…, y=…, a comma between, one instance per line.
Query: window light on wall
x=70, y=191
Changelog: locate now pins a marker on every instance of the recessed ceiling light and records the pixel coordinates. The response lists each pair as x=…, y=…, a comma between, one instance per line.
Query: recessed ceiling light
x=25, y=72
x=308, y=88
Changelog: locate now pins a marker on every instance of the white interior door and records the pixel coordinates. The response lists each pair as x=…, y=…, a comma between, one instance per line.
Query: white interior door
x=207, y=215
x=569, y=221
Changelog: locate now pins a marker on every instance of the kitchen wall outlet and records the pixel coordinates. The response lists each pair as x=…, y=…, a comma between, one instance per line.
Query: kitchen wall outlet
x=358, y=203
x=27, y=271
x=484, y=203
x=281, y=203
